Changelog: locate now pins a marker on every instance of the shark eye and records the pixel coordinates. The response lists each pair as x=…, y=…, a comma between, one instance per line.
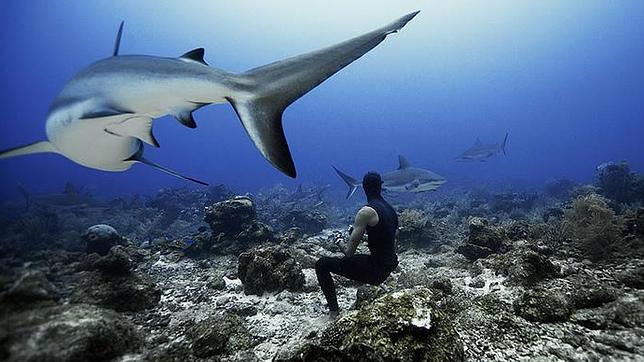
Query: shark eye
x=92, y=237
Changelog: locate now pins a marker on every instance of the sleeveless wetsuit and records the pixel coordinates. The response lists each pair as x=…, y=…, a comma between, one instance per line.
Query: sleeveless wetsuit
x=371, y=269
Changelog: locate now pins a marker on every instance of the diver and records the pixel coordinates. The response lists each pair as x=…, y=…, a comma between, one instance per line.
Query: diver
x=380, y=221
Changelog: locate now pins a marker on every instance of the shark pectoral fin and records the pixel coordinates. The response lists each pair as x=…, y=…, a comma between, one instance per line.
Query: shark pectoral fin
x=138, y=157
x=262, y=120
x=138, y=127
x=36, y=147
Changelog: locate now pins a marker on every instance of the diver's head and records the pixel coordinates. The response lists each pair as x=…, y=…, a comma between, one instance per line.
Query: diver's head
x=372, y=185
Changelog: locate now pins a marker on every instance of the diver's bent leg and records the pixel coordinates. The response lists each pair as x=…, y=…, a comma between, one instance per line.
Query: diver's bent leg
x=323, y=268
x=357, y=267
x=363, y=268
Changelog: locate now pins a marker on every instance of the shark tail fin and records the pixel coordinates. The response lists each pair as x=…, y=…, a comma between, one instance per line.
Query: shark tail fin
x=350, y=181
x=36, y=147
x=505, y=141
x=265, y=92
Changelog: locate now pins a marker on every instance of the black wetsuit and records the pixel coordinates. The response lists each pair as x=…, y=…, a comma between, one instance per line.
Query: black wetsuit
x=371, y=269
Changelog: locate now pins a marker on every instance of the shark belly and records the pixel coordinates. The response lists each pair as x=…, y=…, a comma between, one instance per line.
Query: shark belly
x=86, y=143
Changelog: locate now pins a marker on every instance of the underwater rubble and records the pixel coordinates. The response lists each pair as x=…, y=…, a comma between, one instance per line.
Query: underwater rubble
x=205, y=274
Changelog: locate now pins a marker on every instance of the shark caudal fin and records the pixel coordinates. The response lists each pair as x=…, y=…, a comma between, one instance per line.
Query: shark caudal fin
x=350, y=181
x=265, y=92
x=505, y=141
x=36, y=147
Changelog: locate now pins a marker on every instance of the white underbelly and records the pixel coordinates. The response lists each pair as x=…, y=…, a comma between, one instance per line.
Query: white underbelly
x=87, y=143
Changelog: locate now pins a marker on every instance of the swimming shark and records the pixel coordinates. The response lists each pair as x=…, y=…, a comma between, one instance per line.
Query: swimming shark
x=482, y=151
x=104, y=114
x=404, y=179
x=70, y=197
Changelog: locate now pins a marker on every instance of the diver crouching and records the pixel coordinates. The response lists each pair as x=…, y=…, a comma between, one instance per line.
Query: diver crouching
x=380, y=221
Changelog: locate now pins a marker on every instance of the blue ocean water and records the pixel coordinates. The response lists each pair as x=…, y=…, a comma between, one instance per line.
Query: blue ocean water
x=564, y=79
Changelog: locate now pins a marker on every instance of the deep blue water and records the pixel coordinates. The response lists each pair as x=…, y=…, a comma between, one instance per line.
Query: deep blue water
x=565, y=79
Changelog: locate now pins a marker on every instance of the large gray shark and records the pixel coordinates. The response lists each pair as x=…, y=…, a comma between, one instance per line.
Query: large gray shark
x=481, y=151
x=405, y=179
x=103, y=115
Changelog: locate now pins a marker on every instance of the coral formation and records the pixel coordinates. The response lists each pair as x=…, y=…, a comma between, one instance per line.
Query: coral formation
x=592, y=222
x=414, y=230
x=483, y=240
x=235, y=227
x=402, y=326
x=269, y=269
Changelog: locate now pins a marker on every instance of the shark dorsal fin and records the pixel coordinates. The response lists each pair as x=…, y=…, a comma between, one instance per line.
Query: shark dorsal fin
x=402, y=162
x=195, y=55
x=117, y=42
x=138, y=127
x=478, y=141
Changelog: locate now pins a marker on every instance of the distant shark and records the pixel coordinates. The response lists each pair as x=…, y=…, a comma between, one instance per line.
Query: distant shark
x=70, y=197
x=481, y=151
x=103, y=115
x=405, y=179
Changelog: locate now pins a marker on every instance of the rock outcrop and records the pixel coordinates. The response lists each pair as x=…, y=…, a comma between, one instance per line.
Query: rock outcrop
x=483, y=240
x=110, y=282
x=414, y=230
x=270, y=269
x=400, y=326
x=223, y=333
x=74, y=332
x=310, y=222
x=100, y=239
x=235, y=227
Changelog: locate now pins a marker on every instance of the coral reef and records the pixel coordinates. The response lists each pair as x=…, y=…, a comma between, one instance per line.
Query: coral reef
x=74, y=332
x=592, y=223
x=486, y=274
x=402, y=326
x=223, y=333
x=269, y=269
x=483, y=240
x=414, y=230
x=235, y=227
x=100, y=239
x=559, y=188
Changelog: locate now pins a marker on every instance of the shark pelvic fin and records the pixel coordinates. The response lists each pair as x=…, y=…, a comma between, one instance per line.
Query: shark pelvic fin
x=138, y=127
x=277, y=85
x=36, y=147
x=186, y=119
x=117, y=42
x=138, y=157
x=477, y=142
x=403, y=163
x=195, y=55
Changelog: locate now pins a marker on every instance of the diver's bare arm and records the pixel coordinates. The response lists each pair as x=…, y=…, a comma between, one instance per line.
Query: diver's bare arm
x=366, y=216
